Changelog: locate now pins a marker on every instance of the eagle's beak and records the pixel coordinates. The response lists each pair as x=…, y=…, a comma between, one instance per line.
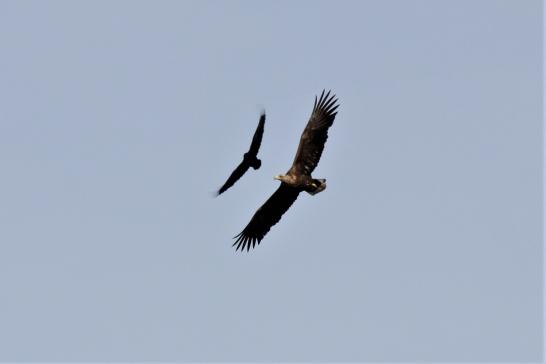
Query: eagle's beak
x=277, y=177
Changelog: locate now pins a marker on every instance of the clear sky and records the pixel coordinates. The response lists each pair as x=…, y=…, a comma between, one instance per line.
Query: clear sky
x=119, y=118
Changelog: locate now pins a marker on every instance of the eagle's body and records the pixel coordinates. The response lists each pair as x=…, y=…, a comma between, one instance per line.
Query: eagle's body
x=303, y=183
x=298, y=178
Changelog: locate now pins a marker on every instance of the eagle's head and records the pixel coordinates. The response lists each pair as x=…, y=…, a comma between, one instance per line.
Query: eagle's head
x=284, y=178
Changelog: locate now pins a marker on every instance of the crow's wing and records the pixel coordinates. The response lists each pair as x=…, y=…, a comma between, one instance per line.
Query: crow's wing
x=235, y=175
x=257, y=138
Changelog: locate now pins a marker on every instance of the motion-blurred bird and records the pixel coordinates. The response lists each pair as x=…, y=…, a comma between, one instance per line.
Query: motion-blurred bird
x=250, y=158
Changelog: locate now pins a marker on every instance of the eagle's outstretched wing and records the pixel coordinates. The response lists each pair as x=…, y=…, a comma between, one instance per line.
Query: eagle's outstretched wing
x=314, y=135
x=268, y=215
x=257, y=138
x=235, y=175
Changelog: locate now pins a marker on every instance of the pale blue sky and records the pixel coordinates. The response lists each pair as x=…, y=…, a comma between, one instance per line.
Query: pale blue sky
x=119, y=118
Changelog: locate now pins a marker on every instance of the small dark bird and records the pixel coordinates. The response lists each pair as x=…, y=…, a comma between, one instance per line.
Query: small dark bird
x=298, y=178
x=250, y=158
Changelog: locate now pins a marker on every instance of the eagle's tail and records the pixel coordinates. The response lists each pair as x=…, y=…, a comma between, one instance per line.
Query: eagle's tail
x=318, y=185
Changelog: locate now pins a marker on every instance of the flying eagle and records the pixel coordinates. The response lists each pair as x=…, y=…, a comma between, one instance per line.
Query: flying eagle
x=250, y=158
x=298, y=178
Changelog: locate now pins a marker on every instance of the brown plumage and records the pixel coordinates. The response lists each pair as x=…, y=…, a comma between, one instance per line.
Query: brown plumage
x=298, y=178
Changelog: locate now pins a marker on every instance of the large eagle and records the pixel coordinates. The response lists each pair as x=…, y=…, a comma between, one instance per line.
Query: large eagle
x=250, y=158
x=298, y=178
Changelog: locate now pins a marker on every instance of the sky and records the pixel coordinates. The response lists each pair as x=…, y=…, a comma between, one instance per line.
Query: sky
x=119, y=119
